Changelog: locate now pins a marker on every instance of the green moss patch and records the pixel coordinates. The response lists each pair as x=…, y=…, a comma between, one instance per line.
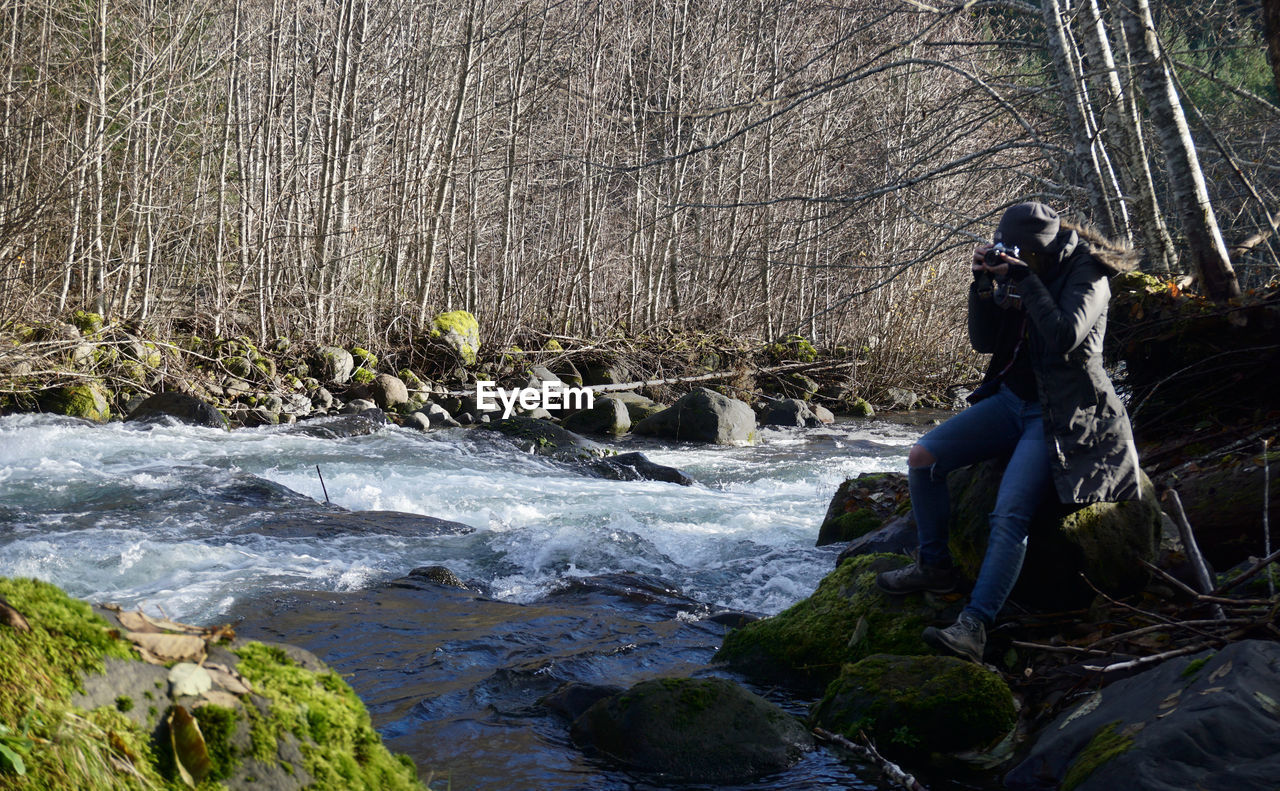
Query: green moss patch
x=340, y=747
x=846, y=619
x=1109, y=742
x=935, y=703
x=60, y=746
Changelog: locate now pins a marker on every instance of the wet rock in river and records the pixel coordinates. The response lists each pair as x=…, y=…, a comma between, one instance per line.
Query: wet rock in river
x=636, y=467
x=179, y=408
x=693, y=730
x=703, y=416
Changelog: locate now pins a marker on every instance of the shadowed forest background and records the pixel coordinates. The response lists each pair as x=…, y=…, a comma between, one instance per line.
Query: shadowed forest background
x=346, y=169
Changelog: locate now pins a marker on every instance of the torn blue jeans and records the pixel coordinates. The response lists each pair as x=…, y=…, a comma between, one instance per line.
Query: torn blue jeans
x=999, y=425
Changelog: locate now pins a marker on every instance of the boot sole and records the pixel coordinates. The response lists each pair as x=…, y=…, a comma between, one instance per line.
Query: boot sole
x=935, y=640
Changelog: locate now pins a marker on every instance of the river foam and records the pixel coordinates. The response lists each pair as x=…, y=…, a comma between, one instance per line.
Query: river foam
x=191, y=520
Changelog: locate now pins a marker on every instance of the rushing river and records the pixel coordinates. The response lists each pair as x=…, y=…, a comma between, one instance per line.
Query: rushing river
x=573, y=578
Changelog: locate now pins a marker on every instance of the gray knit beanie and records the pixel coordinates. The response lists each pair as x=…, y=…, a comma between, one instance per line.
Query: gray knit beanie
x=1028, y=226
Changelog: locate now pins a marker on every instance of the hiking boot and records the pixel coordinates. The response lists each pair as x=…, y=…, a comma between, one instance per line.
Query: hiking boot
x=966, y=638
x=916, y=578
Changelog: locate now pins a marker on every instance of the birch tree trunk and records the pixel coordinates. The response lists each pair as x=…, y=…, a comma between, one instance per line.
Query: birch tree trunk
x=1120, y=114
x=1186, y=180
x=1088, y=166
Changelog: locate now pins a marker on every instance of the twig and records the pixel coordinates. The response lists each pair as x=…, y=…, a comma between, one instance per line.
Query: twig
x=1193, y=549
x=1266, y=507
x=1182, y=586
x=1058, y=649
x=1254, y=569
x=323, y=488
x=1148, y=660
x=1115, y=638
x=892, y=771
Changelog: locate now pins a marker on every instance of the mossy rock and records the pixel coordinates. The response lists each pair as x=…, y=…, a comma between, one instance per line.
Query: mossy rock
x=861, y=407
x=693, y=730
x=280, y=345
x=239, y=367
x=460, y=331
x=863, y=504
x=88, y=323
x=914, y=704
x=794, y=348
x=364, y=359
x=332, y=364
x=552, y=345
x=300, y=726
x=363, y=376
x=1103, y=541
x=411, y=380
x=265, y=366
x=846, y=619
x=88, y=400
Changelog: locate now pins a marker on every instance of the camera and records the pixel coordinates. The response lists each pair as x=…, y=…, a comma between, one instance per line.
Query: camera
x=992, y=256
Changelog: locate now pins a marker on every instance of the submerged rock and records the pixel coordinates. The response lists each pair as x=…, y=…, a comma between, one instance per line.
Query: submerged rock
x=636, y=467
x=693, y=731
x=846, y=619
x=912, y=704
x=340, y=426
x=547, y=439
x=1206, y=721
x=177, y=407
x=703, y=416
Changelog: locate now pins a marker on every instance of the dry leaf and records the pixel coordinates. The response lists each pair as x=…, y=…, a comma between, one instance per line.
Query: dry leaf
x=1220, y=672
x=189, y=751
x=133, y=621
x=1085, y=708
x=231, y=682
x=217, y=697
x=170, y=647
x=1172, y=700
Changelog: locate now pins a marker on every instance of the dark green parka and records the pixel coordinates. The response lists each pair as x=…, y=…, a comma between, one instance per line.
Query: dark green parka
x=1092, y=453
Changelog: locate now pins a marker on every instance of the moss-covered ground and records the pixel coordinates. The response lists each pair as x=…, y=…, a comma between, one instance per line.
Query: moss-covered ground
x=48, y=744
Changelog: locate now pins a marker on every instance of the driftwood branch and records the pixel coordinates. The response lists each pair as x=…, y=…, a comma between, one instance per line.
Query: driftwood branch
x=868, y=752
x=1252, y=570
x=1203, y=578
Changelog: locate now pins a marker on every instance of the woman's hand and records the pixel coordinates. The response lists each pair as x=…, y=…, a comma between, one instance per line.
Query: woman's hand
x=1014, y=268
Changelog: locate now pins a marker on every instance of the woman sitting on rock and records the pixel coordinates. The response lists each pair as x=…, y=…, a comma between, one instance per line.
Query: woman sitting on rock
x=1038, y=305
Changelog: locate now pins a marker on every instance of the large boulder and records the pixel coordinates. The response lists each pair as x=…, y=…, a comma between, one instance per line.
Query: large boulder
x=913, y=704
x=359, y=424
x=1224, y=500
x=638, y=407
x=1103, y=541
x=460, y=331
x=703, y=416
x=693, y=731
x=607, y=416
x=87, y=400
x=1206, y=721
x=547, y=439
x=846, y=619
x=790, y=413
x=388, y=391
x=178, y=407
x=332, y=364
x=861, y=505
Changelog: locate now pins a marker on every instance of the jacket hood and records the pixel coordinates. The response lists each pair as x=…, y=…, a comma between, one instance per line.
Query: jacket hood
x=1115, y=256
